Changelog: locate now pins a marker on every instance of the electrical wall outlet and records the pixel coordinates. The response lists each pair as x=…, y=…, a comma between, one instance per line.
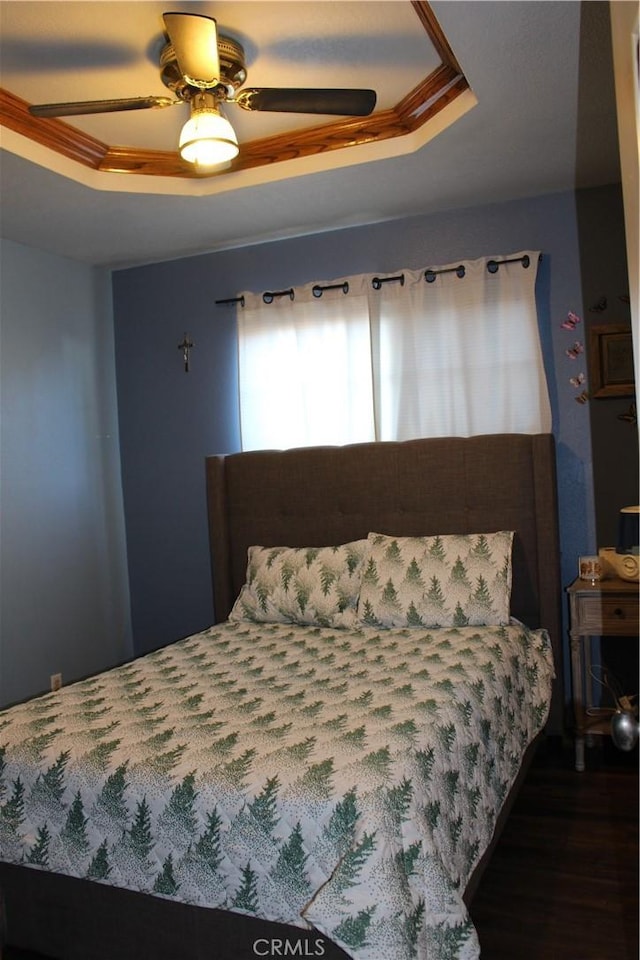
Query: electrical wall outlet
x=56, y=681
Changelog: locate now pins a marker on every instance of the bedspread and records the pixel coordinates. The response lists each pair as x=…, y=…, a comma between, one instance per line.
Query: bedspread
x=345, y=780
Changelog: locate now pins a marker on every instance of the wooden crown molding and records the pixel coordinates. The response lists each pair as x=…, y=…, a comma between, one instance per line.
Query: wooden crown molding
x=427, y=99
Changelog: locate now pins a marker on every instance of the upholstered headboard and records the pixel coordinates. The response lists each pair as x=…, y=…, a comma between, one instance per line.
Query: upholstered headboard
x=317, y=496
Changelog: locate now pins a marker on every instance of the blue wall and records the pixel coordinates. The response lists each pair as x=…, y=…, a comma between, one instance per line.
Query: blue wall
x=170, y=420
x=605, y=280
x=63, y=576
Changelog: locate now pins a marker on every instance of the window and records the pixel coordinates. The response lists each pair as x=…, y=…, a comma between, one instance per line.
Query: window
x=450, y=351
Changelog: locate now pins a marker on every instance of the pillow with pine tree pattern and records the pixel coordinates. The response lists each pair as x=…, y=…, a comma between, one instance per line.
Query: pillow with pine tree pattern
x=317, y=586
x=440, y=581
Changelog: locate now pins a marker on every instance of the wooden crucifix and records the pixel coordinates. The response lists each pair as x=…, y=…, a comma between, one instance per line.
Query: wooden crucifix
x=186, y=346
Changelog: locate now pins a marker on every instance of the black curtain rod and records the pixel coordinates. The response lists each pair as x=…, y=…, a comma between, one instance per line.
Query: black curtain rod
x=318, y=289
x=229, y=300
x=270, y=295
x=377, y=282
x=429, y=275
x=494, y=265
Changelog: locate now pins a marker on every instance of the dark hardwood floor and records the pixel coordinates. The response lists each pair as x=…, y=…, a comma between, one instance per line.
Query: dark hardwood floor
x=563, y=883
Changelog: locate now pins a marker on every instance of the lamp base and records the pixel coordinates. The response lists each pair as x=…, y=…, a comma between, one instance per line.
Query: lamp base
x=622, y=565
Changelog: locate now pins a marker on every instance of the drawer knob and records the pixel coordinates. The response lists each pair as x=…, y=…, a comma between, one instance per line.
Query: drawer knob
x=619, y=612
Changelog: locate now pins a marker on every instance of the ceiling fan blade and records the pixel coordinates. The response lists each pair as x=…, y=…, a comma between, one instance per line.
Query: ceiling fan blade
x=194, y=38
x=81, y=107
x=353, y=103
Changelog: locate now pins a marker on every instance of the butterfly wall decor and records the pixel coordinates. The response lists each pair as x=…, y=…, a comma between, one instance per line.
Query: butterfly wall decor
x=571, y=322
x=631, y=416
x=574, y=352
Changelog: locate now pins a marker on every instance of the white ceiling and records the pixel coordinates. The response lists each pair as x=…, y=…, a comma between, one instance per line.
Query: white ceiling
x=544, y=119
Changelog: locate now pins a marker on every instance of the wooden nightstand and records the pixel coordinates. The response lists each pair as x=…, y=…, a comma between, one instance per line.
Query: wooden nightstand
x=605, y=608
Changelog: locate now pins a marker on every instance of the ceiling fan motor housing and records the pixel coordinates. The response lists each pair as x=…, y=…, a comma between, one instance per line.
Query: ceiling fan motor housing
x=232, y=69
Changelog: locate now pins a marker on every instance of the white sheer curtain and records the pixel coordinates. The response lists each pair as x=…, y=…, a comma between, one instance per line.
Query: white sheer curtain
x=305, y=370
x=398, y=356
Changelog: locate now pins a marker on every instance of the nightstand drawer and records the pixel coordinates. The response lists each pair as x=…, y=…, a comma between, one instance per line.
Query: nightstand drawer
x=602, y=615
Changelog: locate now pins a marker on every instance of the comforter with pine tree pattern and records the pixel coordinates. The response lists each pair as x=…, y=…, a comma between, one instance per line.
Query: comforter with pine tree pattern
x=347, y=780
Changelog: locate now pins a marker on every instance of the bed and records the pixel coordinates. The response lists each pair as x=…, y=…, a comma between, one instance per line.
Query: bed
x=325, y=771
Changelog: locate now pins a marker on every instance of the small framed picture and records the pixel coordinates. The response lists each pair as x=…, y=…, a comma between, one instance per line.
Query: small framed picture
x=611, y=361
x=590, y=568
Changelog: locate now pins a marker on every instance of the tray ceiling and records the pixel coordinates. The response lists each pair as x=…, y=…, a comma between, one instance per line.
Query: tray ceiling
x=538, y=116
x=397, y=48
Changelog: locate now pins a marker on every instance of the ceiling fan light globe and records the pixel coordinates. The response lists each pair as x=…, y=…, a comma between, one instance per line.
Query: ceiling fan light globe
x=207, y=139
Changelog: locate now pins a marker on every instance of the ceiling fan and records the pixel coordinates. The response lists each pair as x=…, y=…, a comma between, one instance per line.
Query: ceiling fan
x=205, y=70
